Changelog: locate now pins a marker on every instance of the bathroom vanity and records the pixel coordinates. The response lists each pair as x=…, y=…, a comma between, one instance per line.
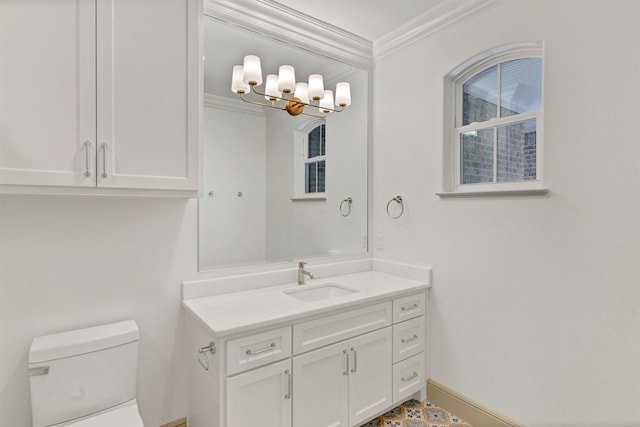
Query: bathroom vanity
x=336, y=351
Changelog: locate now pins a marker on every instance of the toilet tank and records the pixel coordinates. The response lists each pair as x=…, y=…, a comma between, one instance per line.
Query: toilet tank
x=78, y=373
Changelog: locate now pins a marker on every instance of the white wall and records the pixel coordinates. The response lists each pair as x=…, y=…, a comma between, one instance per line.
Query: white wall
x=72, y=262
x=233, y=158
x=535, y=307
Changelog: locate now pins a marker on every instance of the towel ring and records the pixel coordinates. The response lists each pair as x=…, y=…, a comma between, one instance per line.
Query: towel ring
x=348, y=201
x=397, y=199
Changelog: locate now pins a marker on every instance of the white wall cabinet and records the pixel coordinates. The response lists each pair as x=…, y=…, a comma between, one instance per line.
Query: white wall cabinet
x=337, y=369
x=100, y=93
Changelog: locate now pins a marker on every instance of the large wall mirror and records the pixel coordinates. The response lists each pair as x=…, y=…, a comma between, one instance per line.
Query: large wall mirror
x=263, y=201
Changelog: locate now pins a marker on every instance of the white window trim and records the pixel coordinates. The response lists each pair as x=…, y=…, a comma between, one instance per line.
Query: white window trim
x=300, y=159
x=453, y=124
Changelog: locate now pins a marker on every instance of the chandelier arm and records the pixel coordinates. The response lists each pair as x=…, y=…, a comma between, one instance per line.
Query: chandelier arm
x=260, y=103
x=253, y=89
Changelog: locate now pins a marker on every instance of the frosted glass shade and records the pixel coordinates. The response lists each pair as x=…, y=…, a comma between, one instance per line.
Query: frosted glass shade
x=286, y=79
x=302, y=92
x=343, y=94
x=237, y=85
x=252, y=70
x=271, y=91
x=326, y=103
x=316, y=87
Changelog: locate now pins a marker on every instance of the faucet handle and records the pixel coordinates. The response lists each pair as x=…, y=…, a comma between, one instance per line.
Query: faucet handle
x=301, y=264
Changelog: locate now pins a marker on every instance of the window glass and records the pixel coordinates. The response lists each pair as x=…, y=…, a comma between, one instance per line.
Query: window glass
x=317, y=142
x=315, y=177
x=517, y=151
x=521, y=86
x=477, y=156
x=480, y=97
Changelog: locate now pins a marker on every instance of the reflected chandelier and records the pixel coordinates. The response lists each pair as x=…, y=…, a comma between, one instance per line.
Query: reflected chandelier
x=294, y=96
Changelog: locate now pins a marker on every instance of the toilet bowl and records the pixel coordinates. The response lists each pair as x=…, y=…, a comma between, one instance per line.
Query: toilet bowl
x=85, y=377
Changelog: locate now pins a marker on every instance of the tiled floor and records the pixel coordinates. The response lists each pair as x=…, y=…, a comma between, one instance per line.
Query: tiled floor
x=413, y=413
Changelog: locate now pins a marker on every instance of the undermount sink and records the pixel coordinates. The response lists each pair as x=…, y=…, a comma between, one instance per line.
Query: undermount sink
x=319, y=292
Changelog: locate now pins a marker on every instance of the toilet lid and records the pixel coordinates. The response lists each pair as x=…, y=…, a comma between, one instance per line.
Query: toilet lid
x=121, y=417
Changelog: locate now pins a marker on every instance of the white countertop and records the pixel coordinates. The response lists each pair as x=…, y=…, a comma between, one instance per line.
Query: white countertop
x=241, y=311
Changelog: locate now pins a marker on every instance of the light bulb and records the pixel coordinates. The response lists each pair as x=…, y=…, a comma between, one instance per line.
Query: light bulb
x=286, y=79
x=252, y=70
x=237, y=85
x=343, y=94
x=271, y=90
x=302, y=92
x=316, y=87
x=326, y=103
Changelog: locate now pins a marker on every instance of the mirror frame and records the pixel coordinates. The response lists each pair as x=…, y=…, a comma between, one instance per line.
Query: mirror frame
x=289, y=26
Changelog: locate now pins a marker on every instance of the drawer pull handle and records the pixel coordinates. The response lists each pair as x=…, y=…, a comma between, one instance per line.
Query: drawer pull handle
x=264, y=350
x=355, y=360
x=289, y=381
x=403, y=379
x=87, y=147
x=409, y=308
x=406, y=340
x=346, y=372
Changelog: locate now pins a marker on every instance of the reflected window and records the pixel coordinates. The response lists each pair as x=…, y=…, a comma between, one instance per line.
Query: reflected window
x=315, y=161
x=498, y=104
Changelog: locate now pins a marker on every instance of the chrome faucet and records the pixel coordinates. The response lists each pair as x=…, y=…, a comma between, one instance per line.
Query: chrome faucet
x=302, y=273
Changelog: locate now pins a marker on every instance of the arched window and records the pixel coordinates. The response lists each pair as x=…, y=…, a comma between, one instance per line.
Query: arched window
x=310, y=160
x=496, y=131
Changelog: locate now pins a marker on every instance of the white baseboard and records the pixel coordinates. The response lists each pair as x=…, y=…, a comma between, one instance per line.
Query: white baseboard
x=472, y=412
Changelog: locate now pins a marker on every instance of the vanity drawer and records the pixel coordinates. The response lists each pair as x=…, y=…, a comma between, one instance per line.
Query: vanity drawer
x=408, y=307
x=408, y=338
x=408, y=377
x=328, y=330
x=256, y=350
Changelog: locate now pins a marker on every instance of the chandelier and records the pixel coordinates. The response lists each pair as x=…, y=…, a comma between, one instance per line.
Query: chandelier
x=285, y=94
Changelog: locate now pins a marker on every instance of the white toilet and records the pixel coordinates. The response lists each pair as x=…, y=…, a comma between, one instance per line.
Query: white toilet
x=86, y=377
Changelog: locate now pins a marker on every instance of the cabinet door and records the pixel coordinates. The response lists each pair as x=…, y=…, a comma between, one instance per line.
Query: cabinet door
x=261, y=397
x=47, y=92
x=370, y=375
x=320, y=384
x=148, y=85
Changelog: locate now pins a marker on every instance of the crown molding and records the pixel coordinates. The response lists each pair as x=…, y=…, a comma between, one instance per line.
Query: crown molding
x=442, y=16
x=290, y=26
x=230, y=104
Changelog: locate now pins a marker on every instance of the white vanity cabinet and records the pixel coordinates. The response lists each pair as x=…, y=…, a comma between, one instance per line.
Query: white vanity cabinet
x=339, y=369
x=100, y=93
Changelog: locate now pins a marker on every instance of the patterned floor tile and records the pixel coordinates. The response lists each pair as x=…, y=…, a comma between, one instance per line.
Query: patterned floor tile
x=413, y=413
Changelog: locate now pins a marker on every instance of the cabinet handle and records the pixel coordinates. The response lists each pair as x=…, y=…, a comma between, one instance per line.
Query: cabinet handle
x=346, y=372
x=355, y=360
x=406, y=340
x=408, y=308
x=87, y=149
x=289, y=381
x=264, y=350
x=415, y=374
x=104, y=160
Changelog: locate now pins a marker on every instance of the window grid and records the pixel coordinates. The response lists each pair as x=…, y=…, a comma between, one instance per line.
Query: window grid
x=493, y=123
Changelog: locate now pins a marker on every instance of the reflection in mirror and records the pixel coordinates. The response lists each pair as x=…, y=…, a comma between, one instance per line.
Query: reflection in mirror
x=278, y=187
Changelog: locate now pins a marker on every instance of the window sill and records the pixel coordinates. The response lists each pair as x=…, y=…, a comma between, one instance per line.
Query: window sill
x=303, y=197
x=521, y=192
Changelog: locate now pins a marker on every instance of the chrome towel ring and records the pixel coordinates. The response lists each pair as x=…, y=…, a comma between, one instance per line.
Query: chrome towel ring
x=397, y=199
x=345, y=209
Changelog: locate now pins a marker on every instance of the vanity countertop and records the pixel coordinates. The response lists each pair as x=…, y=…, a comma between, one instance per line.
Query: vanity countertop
x=242, y=311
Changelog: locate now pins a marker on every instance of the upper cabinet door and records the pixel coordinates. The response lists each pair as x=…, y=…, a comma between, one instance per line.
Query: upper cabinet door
x=148, y=86
x=47, y=92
